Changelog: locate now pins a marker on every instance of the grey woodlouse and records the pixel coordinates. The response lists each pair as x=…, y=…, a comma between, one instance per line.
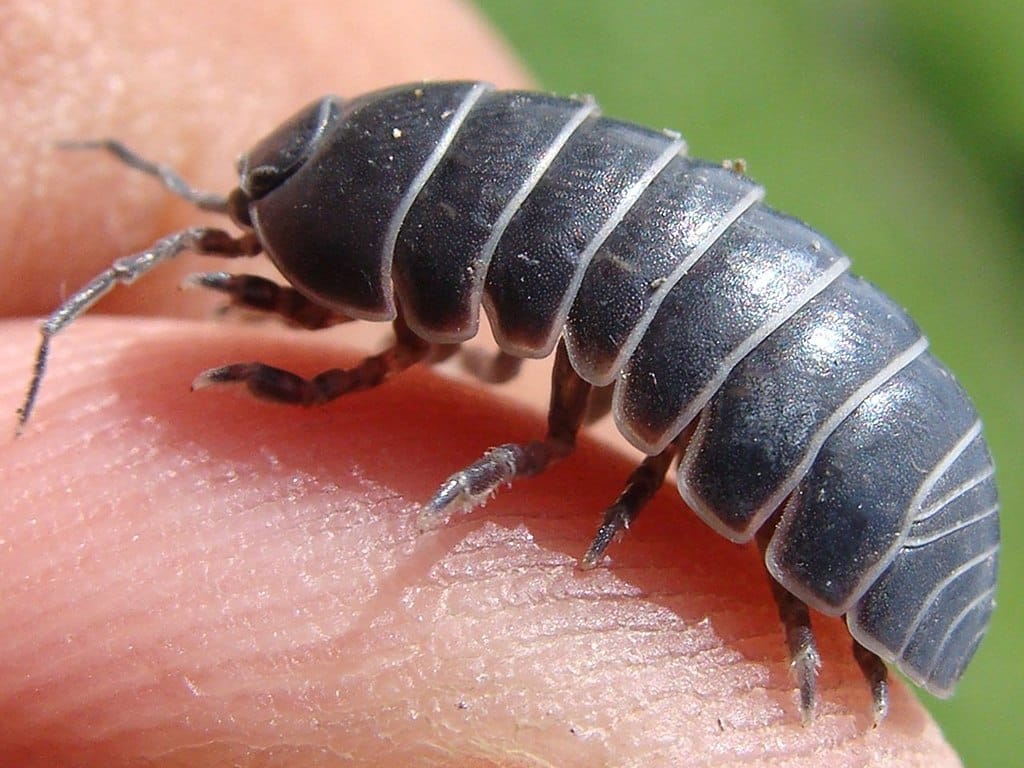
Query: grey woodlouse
x=800, y=401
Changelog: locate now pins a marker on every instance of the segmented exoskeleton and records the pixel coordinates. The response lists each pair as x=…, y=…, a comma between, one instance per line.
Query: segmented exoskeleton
x=801, y=403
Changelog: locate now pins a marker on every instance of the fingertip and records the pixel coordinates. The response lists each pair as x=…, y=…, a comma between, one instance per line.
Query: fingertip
x=246, y=572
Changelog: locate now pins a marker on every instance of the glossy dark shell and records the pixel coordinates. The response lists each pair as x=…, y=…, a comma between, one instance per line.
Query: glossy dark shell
x=808, y=390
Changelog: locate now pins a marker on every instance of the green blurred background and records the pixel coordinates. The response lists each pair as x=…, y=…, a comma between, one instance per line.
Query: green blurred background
x=896, y=129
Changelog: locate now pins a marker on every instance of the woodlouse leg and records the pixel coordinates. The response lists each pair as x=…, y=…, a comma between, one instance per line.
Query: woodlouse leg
x=805, y=661
x=877, y=675
x=263, y=295
x=202, y=240
x=496, y=368
x=600, y=404
x=477, y=482
x=441, y=352
x=282, y=386
x=643, y=483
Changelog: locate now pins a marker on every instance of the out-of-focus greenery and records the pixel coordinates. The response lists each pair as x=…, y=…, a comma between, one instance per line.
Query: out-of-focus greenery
x=893, y=127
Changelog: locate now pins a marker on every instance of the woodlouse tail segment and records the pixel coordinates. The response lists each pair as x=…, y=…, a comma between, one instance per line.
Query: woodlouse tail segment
x=643, y=483
x=127, y=270
x=473, y=485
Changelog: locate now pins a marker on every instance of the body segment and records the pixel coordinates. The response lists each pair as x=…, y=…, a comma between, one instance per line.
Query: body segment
x=800, y=401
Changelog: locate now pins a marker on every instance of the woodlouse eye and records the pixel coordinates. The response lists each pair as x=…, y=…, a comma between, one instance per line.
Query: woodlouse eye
x=278, y=155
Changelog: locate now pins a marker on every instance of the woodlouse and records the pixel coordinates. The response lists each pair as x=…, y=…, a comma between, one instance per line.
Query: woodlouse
x=800, y=401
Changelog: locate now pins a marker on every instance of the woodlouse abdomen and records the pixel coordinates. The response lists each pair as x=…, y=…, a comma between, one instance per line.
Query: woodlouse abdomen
x=800, y=402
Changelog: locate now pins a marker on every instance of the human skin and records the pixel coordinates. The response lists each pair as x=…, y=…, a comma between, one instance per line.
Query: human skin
x=200, y=579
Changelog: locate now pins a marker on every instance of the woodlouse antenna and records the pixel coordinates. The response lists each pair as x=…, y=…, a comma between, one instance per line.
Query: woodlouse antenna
x=127, y=270
x=168, y=177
